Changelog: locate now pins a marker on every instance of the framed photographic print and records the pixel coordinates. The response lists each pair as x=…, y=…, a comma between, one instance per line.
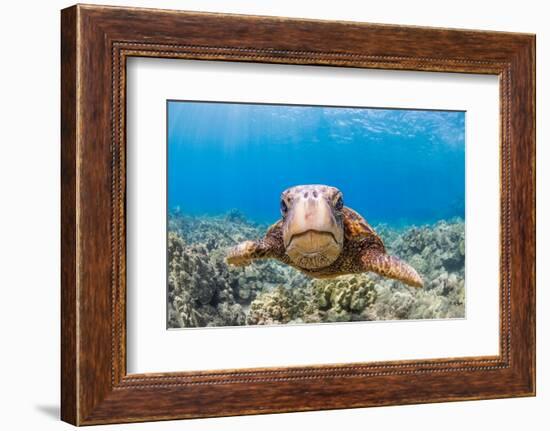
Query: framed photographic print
x=322, y=214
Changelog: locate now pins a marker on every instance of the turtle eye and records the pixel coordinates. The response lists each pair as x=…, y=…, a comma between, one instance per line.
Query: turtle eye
x=339, y=203
x=284, y=208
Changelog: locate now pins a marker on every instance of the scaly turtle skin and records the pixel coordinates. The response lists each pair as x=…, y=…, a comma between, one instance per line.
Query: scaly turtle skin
x=321, y=237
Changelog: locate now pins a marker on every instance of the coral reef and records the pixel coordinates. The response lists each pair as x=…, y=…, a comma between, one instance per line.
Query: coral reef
x=277, y=306
x=342, y=299
x=437, y=253
x=204, y=291
x=200, y=287
x=338, y=300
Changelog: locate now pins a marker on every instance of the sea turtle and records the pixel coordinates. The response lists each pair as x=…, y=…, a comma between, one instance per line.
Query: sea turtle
x=321, y=237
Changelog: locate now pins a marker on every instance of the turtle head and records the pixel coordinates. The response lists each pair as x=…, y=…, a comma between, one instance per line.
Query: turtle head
x=313, y=230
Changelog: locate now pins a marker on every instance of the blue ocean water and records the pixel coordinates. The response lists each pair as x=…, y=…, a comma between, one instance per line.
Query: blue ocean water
x=394, y=166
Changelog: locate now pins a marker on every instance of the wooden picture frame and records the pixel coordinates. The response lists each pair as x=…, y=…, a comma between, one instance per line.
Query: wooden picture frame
x=96, y=41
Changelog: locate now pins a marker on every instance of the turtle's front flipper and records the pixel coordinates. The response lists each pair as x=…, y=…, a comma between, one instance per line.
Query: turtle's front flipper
x=269, y=247
x=391, y=267
x=242, y=254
